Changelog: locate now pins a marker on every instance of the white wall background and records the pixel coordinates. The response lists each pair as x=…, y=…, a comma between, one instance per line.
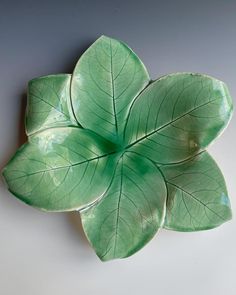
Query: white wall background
x=46, y=254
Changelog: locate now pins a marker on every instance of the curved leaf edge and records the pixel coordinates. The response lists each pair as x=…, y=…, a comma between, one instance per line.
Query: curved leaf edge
x=139, y=246
x=69, y=103
x=132, y=51
x=22, y=199
x=166, y=76
x=203, y=228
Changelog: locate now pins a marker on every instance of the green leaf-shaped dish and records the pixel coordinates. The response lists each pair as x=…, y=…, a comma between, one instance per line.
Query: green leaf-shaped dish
x=127, y=152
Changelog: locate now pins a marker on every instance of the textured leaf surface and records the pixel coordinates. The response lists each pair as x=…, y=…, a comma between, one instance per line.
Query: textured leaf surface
x=105, y=81
x=178, y=115
x=197, y=195
x=61, y=170
x=49, y=103
x=131, y=211
x=119, y=148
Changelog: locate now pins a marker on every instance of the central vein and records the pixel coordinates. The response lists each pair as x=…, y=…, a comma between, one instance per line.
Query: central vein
x=118, y=205
x=113, y=91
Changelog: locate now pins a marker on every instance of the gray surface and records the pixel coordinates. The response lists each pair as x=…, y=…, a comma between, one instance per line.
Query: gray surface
x=46, y=253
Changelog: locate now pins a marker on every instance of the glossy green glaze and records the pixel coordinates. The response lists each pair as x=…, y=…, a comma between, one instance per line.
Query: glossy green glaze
x=176, y=116
x=48, y=104
x=197, y=195
x=127, y=152
x=130, y=212
x=106, y=79
x=58, y=165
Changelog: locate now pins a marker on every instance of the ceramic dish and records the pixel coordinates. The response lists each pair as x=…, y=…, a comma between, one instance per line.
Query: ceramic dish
x=127, y=152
